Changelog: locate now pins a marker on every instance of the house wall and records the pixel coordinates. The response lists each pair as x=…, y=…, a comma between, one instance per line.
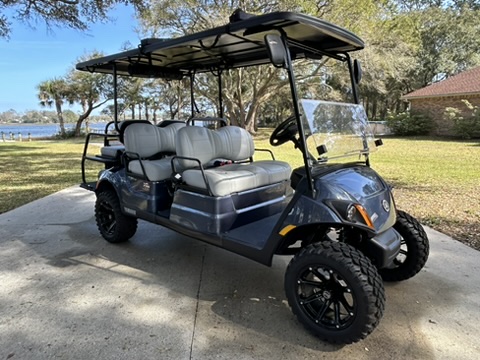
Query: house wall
x=435, y=108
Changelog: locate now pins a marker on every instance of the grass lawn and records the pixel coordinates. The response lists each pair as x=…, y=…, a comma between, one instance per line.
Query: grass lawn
x=435, y=180
x=32, y=170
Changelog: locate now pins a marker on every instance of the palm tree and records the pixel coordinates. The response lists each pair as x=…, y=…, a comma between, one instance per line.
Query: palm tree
x=51, y=92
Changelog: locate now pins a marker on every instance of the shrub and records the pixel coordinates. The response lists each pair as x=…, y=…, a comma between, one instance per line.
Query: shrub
x=467, y=126
x=69, y=134
x=405, y=124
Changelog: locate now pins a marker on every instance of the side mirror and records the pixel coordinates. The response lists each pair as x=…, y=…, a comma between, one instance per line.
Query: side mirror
x=276, y=50
x=357, y=71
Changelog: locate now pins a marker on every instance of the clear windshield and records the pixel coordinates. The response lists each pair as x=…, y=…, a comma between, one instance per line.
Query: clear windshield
x=336, y=131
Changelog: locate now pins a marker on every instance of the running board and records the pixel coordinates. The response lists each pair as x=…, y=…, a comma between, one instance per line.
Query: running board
x=91, y=186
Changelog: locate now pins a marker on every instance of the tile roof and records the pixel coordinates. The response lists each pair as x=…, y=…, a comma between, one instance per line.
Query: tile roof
x=467, y=82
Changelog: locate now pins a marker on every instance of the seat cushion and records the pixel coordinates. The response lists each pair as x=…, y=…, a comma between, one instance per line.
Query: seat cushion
x=112, y=151
x=223, y=181
x=155, y=170
x=277, y=170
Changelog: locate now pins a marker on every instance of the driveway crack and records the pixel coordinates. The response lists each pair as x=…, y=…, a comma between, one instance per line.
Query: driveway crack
x=198, y=301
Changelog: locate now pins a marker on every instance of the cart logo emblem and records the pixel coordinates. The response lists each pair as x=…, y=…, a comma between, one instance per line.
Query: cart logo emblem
x=385, y=205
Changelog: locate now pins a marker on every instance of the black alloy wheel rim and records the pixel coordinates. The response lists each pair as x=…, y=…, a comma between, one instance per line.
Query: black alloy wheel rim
x=326, y=298
x=107, y=218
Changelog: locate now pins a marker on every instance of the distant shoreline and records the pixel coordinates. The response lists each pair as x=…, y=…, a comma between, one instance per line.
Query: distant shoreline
x=7, y=131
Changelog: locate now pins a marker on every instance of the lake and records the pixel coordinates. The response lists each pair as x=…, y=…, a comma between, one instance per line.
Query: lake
x=39, y=131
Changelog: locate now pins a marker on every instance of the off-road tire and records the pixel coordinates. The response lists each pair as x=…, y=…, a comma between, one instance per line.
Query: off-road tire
x=114, y=226
x=329, y=278
x=414, y=249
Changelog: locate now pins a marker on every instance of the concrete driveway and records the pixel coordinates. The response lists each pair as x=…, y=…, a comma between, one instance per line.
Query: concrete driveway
x=65, y=293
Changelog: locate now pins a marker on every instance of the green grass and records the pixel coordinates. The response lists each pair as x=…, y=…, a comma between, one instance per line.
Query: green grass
x=435, y=180
x=32, y=170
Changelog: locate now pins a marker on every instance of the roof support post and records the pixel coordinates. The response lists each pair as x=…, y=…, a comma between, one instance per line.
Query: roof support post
x=356, y=99
x=220, y=96
x=115, y=97
x=296, y=109
x=192, y=98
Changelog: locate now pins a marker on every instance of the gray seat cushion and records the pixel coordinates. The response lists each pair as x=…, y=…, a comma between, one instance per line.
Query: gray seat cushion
x=112, y=151
x=277, y=170
x=221, y=181
x=155, y=170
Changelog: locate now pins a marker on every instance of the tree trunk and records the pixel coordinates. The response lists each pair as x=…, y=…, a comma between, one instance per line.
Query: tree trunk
x=250, y=120
x=146, y=111
x=58, y=106
x=87, y=108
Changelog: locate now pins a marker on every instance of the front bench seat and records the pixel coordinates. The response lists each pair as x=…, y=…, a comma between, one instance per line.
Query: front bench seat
x=231, y=143
x=148, y=142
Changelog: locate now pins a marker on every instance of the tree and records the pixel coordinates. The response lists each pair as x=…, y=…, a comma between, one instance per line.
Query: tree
x=69, y=13
x=130, y=91
x=54, y=92
x=246, y=90
x=90, y=90
x=9, y=116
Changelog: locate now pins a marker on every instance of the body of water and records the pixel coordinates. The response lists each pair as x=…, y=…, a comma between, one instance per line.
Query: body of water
x=39, y=131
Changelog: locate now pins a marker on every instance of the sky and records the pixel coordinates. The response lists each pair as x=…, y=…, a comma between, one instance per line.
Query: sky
x=31, y=56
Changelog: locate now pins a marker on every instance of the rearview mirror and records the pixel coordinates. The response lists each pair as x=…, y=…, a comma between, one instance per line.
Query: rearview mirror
x=276, y=50
x=357, y=71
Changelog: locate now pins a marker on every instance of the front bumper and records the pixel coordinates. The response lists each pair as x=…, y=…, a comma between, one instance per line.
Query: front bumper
x=384, y=247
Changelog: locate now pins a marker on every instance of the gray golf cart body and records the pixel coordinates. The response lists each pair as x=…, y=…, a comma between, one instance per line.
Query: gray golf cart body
x=254, y=222
x=337, y=218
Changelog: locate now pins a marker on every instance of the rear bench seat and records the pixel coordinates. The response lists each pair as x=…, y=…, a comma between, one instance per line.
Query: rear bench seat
x=116, y=151
x=231, y=143
x=148, y=148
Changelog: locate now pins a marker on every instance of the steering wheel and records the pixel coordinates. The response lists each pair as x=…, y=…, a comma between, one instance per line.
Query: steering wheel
x=284, y=132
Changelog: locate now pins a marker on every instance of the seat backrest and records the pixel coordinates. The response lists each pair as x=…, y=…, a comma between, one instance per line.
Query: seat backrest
x=148, y=140
x=235, y=143
x=229, y=142
x=123, y=125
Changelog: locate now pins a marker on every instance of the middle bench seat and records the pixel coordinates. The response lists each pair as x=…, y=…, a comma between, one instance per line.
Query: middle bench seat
x=149, y=149
x=232, y=143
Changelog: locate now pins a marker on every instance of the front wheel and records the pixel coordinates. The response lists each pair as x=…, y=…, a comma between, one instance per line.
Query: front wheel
x=114, y=226
x=335, y=292
x=414, y=249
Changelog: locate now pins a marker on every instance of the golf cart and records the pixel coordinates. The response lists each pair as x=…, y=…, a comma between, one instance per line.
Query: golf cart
x=334, y=214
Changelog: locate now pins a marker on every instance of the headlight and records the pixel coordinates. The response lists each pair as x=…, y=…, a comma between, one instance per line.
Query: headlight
x=352, y=212
x=366, y=218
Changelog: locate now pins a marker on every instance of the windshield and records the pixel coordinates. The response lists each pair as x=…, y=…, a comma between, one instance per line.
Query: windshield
x=336, y=131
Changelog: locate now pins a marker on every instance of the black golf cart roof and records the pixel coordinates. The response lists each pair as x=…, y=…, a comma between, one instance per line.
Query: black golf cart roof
x=240, y=43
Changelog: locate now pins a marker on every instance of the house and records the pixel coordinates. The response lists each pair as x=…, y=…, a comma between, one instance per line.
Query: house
x=432, y=100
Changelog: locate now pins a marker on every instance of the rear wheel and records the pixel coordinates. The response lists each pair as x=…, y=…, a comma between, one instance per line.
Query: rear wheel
x=114, y=226
x=413, y=251
x=335, y=292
